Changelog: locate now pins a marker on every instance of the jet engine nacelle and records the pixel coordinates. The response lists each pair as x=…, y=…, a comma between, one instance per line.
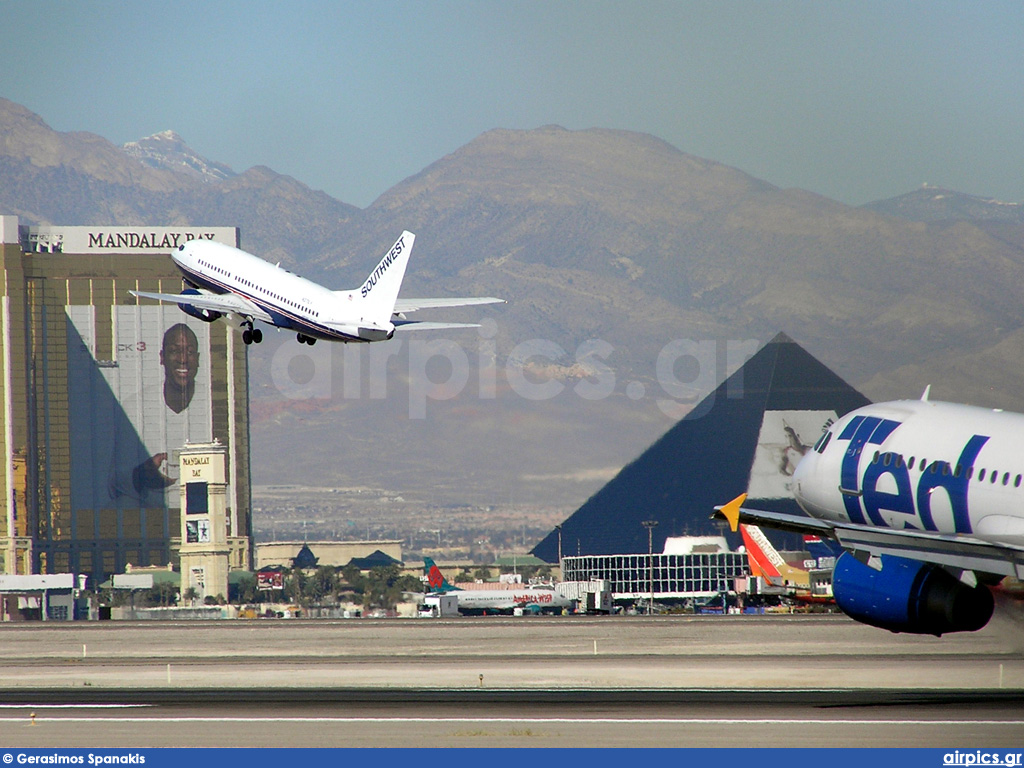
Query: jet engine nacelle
x=206, y=315
x=909, y=596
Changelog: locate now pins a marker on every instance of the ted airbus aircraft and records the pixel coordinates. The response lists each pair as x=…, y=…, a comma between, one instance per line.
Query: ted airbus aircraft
x=223, y=280
x=927, y=500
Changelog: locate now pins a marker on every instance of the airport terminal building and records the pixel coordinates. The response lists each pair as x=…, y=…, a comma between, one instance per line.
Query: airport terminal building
x=661, y=575
x=99, y=391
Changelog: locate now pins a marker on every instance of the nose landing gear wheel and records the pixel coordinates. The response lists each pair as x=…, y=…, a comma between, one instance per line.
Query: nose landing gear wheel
x=247, y=337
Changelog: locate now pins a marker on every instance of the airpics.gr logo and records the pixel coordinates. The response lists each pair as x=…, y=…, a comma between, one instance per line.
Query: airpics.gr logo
x=866, y=498
x=981, y=758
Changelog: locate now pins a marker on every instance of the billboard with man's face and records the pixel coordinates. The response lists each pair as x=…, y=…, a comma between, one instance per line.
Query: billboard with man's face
x=129, y=415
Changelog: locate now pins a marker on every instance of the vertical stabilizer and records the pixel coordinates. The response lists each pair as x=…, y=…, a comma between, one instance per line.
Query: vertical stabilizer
x=379, y=291
x=766, y=562
x=436, y=582
x=763, y=559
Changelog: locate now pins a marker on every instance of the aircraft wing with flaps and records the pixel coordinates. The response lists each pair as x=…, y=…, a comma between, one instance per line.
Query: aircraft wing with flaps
x=225, y=303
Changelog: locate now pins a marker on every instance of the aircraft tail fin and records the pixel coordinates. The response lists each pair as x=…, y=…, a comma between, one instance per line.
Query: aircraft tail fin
x=759, y=555
x=436, y=582
x=766, y=562
x=379, y=291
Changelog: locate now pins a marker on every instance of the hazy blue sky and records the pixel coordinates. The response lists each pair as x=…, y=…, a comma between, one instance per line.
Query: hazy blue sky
x=854, y=100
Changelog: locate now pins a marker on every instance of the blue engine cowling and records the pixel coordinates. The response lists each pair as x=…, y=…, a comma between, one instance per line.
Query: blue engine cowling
x=909, y=596
x=206, y=315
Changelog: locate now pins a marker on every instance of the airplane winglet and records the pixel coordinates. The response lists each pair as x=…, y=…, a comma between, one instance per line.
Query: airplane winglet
x=731, y=511
x=927, y=393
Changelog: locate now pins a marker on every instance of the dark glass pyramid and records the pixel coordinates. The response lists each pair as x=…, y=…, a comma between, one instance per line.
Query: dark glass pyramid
x=746, y=436
x=305, y=558
x=376, y=560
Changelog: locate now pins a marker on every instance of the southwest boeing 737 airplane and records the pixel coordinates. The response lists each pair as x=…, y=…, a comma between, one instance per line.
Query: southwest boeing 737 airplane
x=223, y=280
x=926, y=499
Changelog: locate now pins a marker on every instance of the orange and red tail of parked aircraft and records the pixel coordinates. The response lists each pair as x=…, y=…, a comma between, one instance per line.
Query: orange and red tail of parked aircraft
x=762, y=557
x=765, y=561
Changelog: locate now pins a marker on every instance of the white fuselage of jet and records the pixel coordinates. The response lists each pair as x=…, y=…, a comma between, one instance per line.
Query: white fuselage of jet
x=226, y=281
x=289, y=300
x=541, y=597
x=927, y=500
x=920, y=465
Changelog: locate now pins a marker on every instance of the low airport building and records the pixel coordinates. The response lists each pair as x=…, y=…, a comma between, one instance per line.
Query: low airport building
x=51, y=597
x=100, y=391
x=335, y=554
x=688, y=568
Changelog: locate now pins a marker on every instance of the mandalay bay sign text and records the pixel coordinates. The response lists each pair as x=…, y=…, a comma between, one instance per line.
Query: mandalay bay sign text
x=98, y=239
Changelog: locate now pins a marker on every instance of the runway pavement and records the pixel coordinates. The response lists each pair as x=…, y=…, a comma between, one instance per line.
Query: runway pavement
x=568, y=681
x=524, y=725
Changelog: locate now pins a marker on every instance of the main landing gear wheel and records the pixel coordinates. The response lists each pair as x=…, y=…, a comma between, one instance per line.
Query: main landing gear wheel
x=304, y=339
x=251, y=335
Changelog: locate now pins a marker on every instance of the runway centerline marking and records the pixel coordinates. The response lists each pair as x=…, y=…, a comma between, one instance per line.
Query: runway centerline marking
x=74, y=707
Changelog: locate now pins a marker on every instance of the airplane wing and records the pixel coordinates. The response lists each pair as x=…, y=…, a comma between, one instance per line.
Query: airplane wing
x=215, y=302
x=411, y=305
x=956, y=551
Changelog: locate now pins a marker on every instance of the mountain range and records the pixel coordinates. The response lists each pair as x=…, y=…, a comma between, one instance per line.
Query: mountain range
x=637, y=277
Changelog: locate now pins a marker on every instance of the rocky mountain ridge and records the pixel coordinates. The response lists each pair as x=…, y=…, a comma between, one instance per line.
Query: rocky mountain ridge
x=168, y=150
x=936, y=204
x=627, y=265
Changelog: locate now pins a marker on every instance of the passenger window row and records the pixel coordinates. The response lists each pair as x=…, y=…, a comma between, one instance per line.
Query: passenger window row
x=250, y=284
x=891, y=459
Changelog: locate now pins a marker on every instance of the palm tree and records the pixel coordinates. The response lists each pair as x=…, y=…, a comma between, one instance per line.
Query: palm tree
x=321, y=584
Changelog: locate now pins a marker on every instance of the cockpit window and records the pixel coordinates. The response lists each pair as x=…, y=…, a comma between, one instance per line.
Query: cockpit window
x=823, y=442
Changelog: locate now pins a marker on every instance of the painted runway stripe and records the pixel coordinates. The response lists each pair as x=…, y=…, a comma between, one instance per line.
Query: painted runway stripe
x=73, y=707
x=523, y=720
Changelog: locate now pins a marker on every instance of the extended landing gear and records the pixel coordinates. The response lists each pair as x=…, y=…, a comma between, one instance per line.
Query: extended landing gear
x=251, y=335
x=304, y=339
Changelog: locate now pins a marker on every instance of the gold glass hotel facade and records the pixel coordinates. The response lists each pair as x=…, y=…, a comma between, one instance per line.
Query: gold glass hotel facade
x=99, y=391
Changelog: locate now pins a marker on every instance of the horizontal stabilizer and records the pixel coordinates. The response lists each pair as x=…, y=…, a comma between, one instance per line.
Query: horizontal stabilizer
x=411, y=305
x=416, y=325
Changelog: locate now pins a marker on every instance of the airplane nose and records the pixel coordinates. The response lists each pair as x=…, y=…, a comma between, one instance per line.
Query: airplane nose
x=804, y=469
x=802, y=466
